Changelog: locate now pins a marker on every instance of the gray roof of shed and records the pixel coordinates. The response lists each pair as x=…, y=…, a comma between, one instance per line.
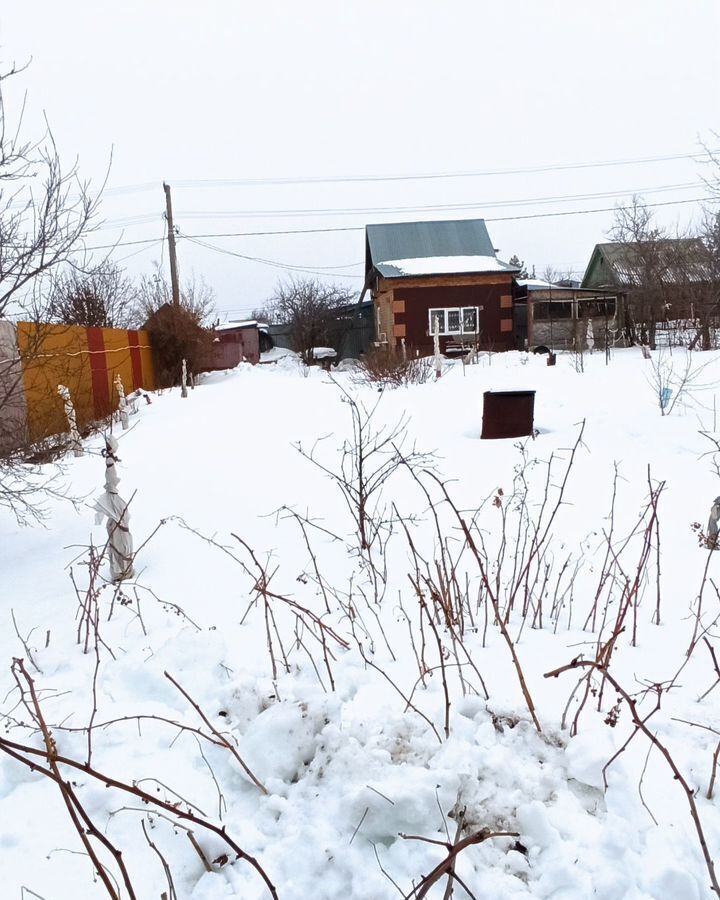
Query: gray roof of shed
x=427, y=240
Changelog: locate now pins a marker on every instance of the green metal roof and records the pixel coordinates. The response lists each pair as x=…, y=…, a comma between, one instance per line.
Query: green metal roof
x=428, y=240
x=624, y=265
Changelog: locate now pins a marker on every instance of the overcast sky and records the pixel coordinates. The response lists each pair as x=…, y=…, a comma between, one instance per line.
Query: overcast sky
x=210, y=95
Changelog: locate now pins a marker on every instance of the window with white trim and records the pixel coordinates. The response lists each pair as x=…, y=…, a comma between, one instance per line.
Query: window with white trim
x=454, y=320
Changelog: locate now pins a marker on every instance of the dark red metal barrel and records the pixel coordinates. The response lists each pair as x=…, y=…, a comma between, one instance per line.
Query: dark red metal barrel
x=507, y=414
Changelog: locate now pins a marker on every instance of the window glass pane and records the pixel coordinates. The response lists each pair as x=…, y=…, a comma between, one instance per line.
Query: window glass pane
x=469, y=320
x=453, y=321
x=556, y=310
x=590, y=308
x=439, y=316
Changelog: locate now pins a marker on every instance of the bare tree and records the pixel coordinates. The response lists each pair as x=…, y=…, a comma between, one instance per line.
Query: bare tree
x=672, y=278
x=103, y=297
x=178, y=332
x=316, y=314
x=643, y=242
x=46, y=212
x=520, y=263
x=704, y=278
x=196, y=296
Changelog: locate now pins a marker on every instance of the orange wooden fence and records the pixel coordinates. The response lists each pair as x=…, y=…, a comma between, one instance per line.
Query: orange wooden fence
x=85, y=360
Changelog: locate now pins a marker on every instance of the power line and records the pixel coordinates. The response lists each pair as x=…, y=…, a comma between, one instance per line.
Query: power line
x=347, y=228
x=195, y=239
x=341, y=228
x=143, y=250
x=583, y=212
x=419, y=176
x=383, y=210
x=146, y=186
x=267, y=262
x=436, y=207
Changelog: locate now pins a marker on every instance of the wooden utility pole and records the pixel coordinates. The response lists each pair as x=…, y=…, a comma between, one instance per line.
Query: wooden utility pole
x=171, y=244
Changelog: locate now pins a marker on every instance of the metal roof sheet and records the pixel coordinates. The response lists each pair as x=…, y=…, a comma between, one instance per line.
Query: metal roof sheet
x=425, y=240
x=667, y=260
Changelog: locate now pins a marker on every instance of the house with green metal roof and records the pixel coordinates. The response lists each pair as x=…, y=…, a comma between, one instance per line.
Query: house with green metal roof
x=439, y=276
x=663, y=283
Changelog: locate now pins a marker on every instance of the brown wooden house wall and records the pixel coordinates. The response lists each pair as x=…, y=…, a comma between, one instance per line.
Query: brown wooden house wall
x=411, y=299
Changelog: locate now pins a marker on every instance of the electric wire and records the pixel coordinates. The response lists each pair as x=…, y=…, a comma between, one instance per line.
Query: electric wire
x=347, y=228
x=384, y=210
x=697, y=156
x=269, y=262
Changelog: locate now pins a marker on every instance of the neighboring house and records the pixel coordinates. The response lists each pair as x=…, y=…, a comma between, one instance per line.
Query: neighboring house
x=422, y=273
x=670, y=285
x=670, y=268
x=235, y=342
x=557, y=315
x=628, y=265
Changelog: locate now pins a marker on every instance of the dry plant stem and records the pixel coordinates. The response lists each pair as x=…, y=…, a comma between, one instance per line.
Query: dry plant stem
x=24, y=643
x=385, y=872
x=21, y=752
x=698, y=615
x=198, y=849
x=141, y=718
x=172, y=895
x=219, y=737
x=261, y=587
x=96, y=669
x=542, y=530
x=441, y=655
x=622, y=749
x=640, y=725
x=444, y=867
x=592, y=615
x=319, y=580
x=454, y=617
x=657, y=553
x=389, y=680
x=715, y=666
x=713, y=773
x=75, y=810
x=495, y=603
x=451, y=871
x=640, y=786
x=222, y=805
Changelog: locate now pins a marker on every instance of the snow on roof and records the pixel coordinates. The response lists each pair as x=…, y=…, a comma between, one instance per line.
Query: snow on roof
x=535, y=284
x=245, y=323
x=443, y=265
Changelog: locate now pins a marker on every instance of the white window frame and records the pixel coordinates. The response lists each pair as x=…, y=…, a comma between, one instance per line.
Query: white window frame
x=460, y=310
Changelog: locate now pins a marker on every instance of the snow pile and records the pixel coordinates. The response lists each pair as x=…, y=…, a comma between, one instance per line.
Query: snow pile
x=340, y=709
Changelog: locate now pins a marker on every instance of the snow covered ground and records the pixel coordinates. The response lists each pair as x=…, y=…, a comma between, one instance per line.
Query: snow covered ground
x=356, y=747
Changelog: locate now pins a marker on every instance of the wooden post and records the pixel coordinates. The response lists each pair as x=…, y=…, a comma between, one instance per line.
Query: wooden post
x=171, y=246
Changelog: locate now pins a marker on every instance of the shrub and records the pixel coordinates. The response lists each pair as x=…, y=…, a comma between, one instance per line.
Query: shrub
x=387, y=367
